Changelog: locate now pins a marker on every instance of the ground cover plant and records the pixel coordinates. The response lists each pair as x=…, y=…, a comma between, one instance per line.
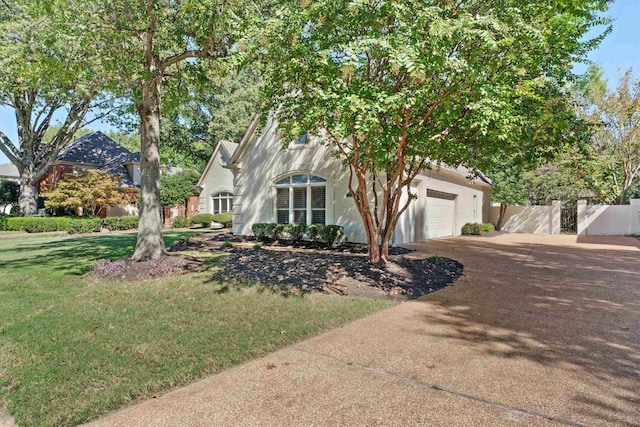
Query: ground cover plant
x=72, y=349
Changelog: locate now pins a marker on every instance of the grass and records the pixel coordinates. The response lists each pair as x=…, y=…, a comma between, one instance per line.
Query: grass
x=71, y=350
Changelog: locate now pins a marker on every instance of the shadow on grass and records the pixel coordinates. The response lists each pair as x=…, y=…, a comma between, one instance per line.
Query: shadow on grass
x=72, y=255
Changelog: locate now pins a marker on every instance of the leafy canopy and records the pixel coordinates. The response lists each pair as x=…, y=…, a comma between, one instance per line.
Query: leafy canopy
x=177, y=188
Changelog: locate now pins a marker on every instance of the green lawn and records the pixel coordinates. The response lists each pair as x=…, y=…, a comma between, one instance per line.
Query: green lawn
x=71, y=351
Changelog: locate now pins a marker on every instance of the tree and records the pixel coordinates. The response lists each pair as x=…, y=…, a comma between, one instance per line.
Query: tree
x=9, y=191
x=394, y=86
x=43, y=78
x=158, y=51
x=194, y=129
x=89, y=190
x=177, y=188
x=612, y=164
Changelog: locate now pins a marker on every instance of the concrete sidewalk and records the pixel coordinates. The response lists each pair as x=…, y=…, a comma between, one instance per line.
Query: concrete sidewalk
x=539, y=330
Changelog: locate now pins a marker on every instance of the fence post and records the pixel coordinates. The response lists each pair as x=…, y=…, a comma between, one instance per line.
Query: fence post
x=582, y=218
x=634, y=218
x=555, y=219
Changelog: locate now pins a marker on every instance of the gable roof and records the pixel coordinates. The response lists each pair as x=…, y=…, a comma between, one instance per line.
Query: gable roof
x=229, y=148
x=95, y=149
x=244, y=142
x=99, y=150
x=9, y=171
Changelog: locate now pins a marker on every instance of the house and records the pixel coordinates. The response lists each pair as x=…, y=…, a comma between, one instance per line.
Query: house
x=305, y=182
x=96, y=151
x=9, y=171
x=216, y=183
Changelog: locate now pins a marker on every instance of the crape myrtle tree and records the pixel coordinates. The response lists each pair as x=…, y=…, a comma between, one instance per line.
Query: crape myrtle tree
x=159, y=50
x=395, y=86
x=44, y=80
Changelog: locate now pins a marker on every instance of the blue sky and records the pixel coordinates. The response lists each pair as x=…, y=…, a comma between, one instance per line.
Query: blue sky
x=617, y=53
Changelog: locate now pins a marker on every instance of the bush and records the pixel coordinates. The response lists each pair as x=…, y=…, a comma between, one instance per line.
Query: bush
x=296, y=231
x=38, y=224
x=3, y=221
x=332, y=234
x=474, y=229
x=313, y=231
x=259, y=230
x=181, y=221
x=227, y=244
x=78, y=226
x=267, y=232
x=203, y=219
x=224, y=218
x=114, y=223
x=488, y=227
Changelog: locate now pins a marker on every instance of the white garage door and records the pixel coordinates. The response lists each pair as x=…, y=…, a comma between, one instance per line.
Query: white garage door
x=440, y=215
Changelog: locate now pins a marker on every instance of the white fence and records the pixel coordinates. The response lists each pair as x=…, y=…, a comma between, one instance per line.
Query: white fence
x=529, y=219
x=593, y=220
x=609, y=220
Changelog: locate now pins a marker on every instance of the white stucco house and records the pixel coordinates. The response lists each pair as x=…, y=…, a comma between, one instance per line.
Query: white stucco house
x=305, y=182
x=216, y=182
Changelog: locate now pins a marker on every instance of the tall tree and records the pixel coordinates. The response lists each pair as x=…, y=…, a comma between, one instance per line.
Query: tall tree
x=159, y=50
x=194, y=128
x=612, y=165
x=44, y=79
x=395, y=85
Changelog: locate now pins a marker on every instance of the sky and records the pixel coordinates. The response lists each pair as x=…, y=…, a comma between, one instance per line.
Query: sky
x=617, y=53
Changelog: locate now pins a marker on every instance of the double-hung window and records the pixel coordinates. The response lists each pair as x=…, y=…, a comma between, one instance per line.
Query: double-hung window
x=301, y=198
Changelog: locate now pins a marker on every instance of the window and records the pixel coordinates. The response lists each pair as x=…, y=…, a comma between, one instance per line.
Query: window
x=301, y=198
x=222, y=202
x=301, y=140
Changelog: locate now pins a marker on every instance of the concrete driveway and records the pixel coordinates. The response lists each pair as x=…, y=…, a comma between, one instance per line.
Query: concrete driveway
x=539, y=330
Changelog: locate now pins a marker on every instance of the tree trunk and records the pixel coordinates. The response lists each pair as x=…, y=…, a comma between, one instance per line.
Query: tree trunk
x=28, y=200
x=503, y=211
x=150, y=245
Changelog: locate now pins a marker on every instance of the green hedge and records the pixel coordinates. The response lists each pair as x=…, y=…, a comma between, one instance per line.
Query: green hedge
x=181, y=221
x=268, y=232
x=70, y=224
x=38, y=224
x=203, y=219
x=224, y=218
x=115, y=223
x=476, y=229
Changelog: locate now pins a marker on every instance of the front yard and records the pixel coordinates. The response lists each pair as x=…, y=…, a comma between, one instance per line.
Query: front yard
x=72, y=349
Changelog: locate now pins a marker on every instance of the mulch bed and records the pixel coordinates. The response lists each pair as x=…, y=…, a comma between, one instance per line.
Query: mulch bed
x=345, y=274
x=304, y=267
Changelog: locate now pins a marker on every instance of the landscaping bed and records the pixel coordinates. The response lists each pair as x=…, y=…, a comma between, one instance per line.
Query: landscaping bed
x=345, y=270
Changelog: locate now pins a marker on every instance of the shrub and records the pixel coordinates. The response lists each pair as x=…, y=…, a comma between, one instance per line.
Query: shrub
x=3, y=221
x=488, y=227
x=38, y=224
x=257, y=246
x=224, y=218
x=259, y=230
x=472, y=229
x=332, y=234
x=181, y=221
x=78, y=226
x=267, y=232
x=296, y=231
x=203, y=219
x=313, y=231
x=227, y=245
x=114, y=223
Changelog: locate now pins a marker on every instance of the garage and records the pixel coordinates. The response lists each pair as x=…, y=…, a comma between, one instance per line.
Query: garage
x=440, y=214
